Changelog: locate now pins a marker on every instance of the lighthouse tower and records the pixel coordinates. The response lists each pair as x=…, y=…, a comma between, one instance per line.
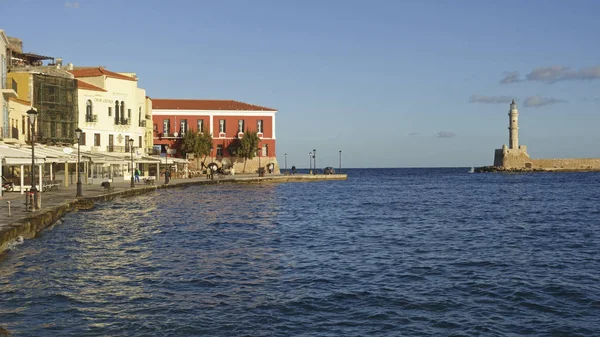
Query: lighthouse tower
x=513, y=126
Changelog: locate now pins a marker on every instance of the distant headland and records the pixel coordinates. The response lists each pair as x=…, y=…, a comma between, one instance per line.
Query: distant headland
x=514, y=157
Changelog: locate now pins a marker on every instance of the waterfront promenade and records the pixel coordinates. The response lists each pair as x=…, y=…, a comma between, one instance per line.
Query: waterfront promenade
x=59, y=202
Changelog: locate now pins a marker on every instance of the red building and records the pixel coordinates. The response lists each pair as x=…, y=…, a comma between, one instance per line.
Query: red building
x=226, y=120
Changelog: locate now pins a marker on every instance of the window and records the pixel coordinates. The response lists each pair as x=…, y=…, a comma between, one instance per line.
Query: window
x=240, y=125
x=140, y=115
x=127, y=144
x=129, y=114
x=182, y=127
x=53, y=129
x=222, y=125
x=24, y=118
x=109, y=111
x=96, y=139
x=122, y=112
x=259, y=126
x=111, y=143
x=117, y=112
x=140, y=142
x=88, y=109
x=265, y=150
x=82, y=139
x=219, y=150
x=201, y=125
x=166, y=127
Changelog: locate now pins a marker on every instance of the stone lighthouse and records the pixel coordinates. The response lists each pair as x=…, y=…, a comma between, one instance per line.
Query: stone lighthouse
x=513, y=126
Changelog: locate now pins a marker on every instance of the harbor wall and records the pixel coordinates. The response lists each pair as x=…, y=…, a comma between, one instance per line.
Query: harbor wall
x=519, y=159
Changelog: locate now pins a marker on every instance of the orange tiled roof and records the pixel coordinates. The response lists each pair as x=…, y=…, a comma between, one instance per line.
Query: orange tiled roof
x=204, y=104
x=22, y=101
x=84, y=85
x=99, y=71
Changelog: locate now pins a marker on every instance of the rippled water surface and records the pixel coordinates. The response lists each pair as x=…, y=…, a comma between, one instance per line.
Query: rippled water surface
x=416, y=252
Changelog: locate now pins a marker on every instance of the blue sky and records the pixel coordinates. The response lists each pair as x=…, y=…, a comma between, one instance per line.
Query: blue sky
x=391, y=83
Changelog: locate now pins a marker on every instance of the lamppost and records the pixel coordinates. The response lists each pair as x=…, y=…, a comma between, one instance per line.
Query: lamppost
x=267, y=154
x=309, y=162
x=259, y=153
x=286, y=162
x=131, y=150
x=340, y=161
x=31, y=113
x=78, y=135
x=315, y=160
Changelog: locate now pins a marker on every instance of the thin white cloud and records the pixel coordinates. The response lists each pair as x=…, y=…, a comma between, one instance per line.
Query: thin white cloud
x=510, y=77
x=490, y=99
x=538, y=101
x=74, y=4
x=554, y=74
x=445, y=134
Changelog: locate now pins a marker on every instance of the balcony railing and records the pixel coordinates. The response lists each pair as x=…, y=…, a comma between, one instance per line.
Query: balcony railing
x=143, y=123
x=124, y=121
x=91, y=118
x=115, y=148
x=148, y=116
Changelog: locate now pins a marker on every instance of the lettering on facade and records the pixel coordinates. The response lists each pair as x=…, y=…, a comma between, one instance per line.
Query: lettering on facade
x=103, y=100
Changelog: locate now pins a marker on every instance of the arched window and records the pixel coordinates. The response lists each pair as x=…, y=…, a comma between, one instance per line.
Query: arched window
x=117, y=115
x=88, y=107
x=122, y=112
x=88, y=111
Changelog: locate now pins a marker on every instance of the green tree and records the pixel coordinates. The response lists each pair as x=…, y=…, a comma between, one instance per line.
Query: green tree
x=198, y=143
x=248, y=146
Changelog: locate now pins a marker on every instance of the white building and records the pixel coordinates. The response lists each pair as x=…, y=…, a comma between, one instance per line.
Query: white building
x=112, y=110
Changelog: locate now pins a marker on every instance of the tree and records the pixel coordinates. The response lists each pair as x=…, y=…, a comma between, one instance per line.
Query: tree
x=248, y=146
x=198, y=143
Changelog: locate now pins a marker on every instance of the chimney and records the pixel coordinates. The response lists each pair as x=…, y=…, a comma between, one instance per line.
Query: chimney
x=69, y=66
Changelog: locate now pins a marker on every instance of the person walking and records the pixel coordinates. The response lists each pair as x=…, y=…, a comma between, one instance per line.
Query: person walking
x=137, y=175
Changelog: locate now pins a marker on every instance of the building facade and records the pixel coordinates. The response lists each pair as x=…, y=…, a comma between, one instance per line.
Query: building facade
x=112, y=110
x=6, y=86
x=225, y=120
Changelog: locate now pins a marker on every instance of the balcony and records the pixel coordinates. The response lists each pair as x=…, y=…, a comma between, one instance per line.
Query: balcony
x=119, y=149
x=124, y=121
x=142, y=124
x=9, y=89
x=91, y=118
x=148, y=116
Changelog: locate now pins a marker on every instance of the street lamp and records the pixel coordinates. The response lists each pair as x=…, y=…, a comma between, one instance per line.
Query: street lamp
x=310, y=162
x=31, y=113
x=286, y=162
x=267, y=155
x=340, y=161
x=78, y=135
x=131, y=149
x=259, y=153
x=315, y=160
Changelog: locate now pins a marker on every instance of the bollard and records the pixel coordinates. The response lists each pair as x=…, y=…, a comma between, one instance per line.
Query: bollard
x=8, y=202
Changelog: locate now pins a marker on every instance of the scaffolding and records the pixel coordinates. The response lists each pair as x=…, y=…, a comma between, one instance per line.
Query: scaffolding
x=56, y=101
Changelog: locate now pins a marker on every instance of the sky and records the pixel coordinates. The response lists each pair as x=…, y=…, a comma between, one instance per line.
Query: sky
x=390, y=83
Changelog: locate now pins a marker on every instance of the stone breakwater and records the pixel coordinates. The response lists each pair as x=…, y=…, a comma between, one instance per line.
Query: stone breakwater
x=27, y=225
x=488, y=169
